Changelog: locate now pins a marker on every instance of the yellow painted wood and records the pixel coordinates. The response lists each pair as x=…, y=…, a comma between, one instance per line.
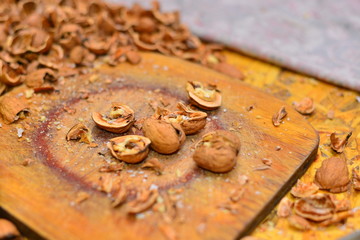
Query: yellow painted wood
x=291, y=87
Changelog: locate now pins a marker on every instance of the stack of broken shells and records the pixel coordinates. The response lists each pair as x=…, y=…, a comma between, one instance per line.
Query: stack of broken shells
x=42, y=41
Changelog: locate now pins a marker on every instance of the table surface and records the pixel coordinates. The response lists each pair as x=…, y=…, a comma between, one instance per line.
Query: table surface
x=289, y=87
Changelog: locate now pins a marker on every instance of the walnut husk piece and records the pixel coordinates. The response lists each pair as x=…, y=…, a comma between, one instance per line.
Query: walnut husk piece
x=129, y=148
x=12, y=109
x=166, y=138
x=207, y=97
x=118, y=120
x=333, y=175
x=337, y=144
x=317, y=207
x=8, y=230
x=217, y=151
x=79, y=132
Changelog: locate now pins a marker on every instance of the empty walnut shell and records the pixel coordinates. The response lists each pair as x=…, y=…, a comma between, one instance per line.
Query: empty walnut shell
x=333, y=175
x=317, y=207
x=207, y=98
x=120, y=118
x=12, y=109
x=38, y=77
x=8, y=75
x=165, y=137
x=217, y=151
x=190, y=121
x=129, y=148
x=8, y=230
x=79, y=132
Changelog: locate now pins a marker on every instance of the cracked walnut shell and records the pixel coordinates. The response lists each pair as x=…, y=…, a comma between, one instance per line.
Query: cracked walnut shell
x=165, y=137
x=129, y=148
x=191, y=121
x=120, y=118
x=206, y=97
x=217, y=151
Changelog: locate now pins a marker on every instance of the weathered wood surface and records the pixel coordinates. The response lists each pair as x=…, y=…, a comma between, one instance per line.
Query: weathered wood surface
x=42, y=194
x=289, y=87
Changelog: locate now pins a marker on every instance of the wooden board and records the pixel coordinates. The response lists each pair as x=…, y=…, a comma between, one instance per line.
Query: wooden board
x=42, y=195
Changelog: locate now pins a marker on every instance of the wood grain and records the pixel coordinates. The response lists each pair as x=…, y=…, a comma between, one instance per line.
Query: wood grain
x=42, y=194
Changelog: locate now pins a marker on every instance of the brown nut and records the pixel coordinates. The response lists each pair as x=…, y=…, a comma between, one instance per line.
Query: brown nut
x=165, y=137
x=120, y=118
x=217, y=151
x=333, y=175
x=205, y=97
x=190, y=121
x=129, y=148
x=8, y=229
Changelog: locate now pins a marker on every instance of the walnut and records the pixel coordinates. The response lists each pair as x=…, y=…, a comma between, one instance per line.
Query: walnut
x=119, y=119
x=333, y=175
x=165, y=137
x=129, y=148
x=206, y=97
x=217, y=151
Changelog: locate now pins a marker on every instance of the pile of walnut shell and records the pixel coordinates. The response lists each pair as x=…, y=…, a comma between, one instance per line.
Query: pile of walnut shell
x=165, y=131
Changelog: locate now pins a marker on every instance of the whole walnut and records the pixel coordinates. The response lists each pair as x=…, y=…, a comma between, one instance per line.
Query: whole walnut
x=165, y=137
x=217, y=151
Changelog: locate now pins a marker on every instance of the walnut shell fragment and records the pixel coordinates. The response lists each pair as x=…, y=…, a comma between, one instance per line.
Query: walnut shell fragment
x=143, y=201
x=12, y=109
x=284, y=208
x=279, y=116
x=166, y=138
x=228, y=69
x=356, y=178
x=129, y=148
x=305, y=106
x=317, y=207
x=154, y=164
x=38, y=77
x=205, y=97
x=79, y=132
x=191, y=121
x=217, y=151
x=8, y=230
x=299, y=223
x=337, y=144
x=302, y=189
x=333, y=175
x=118, y=120
x=10, y=76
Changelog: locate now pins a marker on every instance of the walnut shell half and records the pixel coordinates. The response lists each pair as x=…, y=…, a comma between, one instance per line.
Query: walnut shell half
x=317, y=207
x=205, y=97
x=119, y=119
x=8, y=229
x=217, y=151
x=129, y=148
x=165, y=137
